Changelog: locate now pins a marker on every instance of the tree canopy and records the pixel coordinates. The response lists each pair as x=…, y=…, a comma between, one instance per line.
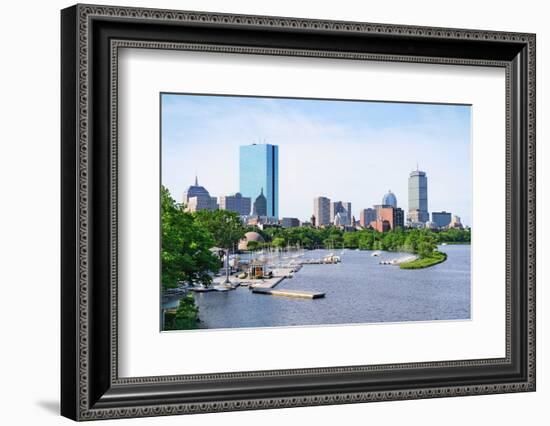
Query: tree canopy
x=224, y=226
x=420, y=241
x=185, y=247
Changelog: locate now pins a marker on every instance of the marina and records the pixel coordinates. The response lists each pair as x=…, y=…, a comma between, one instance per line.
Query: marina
x=303, y=290
x=262, y=278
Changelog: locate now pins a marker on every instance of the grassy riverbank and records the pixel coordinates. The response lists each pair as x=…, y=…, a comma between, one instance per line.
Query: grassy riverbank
x=426, y=261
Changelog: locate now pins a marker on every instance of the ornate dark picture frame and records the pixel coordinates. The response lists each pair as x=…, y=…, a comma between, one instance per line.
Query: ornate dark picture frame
x=91, y=36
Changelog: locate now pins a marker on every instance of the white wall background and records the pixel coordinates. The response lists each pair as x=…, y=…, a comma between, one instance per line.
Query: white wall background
x=29, y=211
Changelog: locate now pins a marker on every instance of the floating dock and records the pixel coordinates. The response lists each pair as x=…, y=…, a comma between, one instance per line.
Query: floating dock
x=267, y=283
x=202, y=289
x=289, y=293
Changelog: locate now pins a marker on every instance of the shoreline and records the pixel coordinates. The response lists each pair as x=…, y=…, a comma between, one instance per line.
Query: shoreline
x=425, y=262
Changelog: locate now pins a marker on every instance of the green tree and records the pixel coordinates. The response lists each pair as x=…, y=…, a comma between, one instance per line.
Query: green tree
x=351, y=240
x=254, y=245
x=278, y=242
x=268, y=233
x=226, y=229
x=185, y=254
x=224, y=226
x=186, y=317
x=366, y=240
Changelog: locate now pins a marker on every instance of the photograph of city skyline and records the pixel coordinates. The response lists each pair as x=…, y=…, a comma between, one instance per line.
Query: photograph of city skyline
x=307, y=212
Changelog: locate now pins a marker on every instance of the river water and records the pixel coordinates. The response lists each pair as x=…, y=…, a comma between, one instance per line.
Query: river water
x=358, y=290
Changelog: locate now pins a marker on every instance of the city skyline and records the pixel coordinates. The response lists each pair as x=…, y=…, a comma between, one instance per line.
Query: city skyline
x=359, y=168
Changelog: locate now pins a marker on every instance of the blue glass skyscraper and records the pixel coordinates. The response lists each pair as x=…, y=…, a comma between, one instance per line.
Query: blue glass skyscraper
x=259, y=170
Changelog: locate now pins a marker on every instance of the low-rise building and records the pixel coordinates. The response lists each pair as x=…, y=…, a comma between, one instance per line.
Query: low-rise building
x=456, y=223
x=366, y=216
x=381, y=225
x=236, y=203
x=443, y=219
x=388, y=217
x=290, y=222
x=194, y=204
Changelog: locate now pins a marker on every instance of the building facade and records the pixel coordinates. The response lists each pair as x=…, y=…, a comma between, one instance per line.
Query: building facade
x=381, y=225
x=342, y=207
x=398, y=218
x=194, y=204
x=378, y=208
x=260, y=205
x=386, y=214
x=342, y=219
x=366, y=216
x=259, y=172
x=418, y=196
x=456, y=223
x=290, y=222
x=197, y=198
x=321, y=211
x=387, y=217
x=236, y=203
x=442, y=219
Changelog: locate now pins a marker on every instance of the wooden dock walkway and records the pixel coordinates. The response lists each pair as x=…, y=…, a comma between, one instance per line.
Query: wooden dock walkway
x=301, y=294
x=269, y=282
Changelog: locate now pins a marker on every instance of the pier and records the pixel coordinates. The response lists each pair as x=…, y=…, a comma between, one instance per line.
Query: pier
x=300, y=294
x=267, y=283
x=267, y=286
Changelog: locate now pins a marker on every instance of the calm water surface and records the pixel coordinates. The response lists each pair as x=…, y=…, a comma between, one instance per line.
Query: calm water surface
x=358, y=290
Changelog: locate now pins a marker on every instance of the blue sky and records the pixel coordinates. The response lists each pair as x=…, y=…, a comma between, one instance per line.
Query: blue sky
x=344, y=150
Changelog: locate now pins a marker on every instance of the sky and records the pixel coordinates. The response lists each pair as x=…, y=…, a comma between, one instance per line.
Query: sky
x=345, y=150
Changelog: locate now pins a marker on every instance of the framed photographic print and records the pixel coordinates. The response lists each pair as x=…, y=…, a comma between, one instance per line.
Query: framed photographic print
x=263, y=212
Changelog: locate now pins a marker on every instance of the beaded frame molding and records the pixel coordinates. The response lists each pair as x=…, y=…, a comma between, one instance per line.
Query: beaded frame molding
x=91, y=38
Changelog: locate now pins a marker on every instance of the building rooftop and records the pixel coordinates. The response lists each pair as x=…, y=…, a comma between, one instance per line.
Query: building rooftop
x=195, y=191
x=390, y=199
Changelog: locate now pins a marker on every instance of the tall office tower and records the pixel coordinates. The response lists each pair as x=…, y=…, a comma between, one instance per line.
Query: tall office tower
x=236, y=203
x=321, y=211
x=389, y=199
x=259, y=168
x=418, y=196
x=340, y=207
x=367, y=216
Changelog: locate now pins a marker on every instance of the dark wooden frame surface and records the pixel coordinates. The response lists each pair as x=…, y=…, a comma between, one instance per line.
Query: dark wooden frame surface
x=90, y=386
